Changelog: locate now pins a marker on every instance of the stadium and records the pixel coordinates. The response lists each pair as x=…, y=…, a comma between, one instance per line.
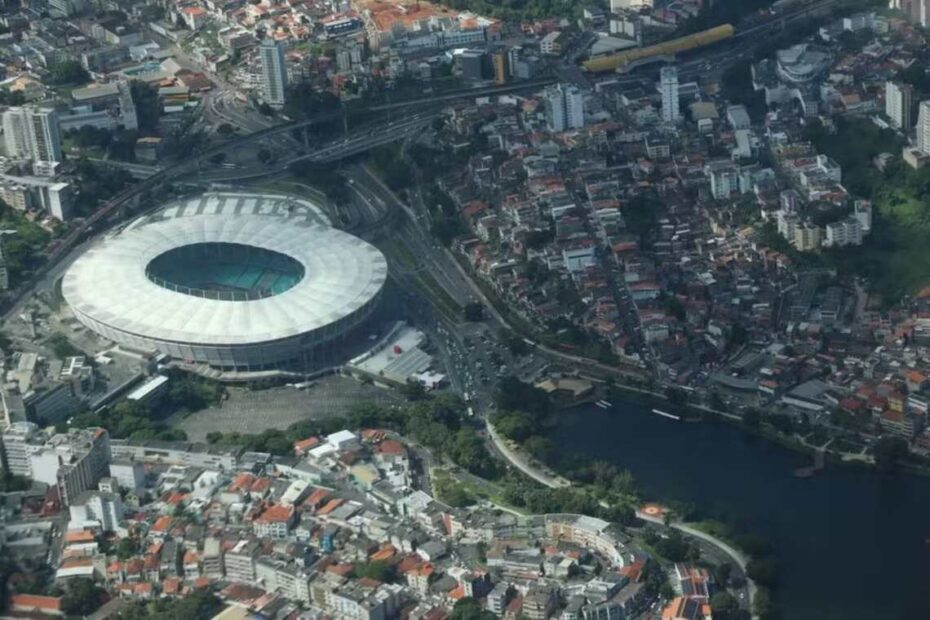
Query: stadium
x=239, y=282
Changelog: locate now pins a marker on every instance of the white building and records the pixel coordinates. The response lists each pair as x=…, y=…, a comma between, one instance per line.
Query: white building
x=32, y=133
x=899, y=103
x=863, y=212
x=20, y=440
x=74, y=461
x=274, y=73
x=239, y=562
x=277, y=574
x=847, y=231
x=104, y=508
x=668, y=86
x=618, y=5
x=724, y=179
x=57, y=198
x=564, y=107
x=128, y=473
x=923, y=127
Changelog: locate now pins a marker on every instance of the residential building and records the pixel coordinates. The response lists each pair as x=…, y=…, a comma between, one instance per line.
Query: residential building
x=923, y=127
x=274, y=73
x=564, y=107
x=724, y=179
x=74, y=461
x=668, y=87
x=240, y=561
x=807, y=237
x=20, y=440
x=31, y=132
x=212, y=557
x=284, y=576
x=104, y=508
x=128, y=473
x=847, y=231
x=899, y=103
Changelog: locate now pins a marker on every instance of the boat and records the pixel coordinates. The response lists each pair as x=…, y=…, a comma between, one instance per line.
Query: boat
x=601, y=404
x=666, y=415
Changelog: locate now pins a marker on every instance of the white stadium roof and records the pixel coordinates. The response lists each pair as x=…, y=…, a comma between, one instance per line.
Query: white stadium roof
x=109, y=283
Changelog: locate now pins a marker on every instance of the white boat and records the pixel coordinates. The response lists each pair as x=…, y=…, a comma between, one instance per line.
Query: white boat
x=606, y=403
x=601, y=404
x=666, y=415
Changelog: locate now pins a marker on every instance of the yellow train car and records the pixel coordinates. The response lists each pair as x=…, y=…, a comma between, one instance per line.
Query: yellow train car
x=674, y=46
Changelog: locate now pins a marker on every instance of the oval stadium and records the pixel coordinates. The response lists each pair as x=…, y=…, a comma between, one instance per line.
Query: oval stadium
x=236, y=281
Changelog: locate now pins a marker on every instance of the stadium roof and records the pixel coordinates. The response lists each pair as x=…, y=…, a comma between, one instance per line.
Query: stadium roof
x=109, y=283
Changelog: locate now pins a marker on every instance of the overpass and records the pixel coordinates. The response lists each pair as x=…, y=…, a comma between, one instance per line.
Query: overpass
x=138, y=171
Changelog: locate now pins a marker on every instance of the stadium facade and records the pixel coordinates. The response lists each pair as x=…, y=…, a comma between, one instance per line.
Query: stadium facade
x=237, y=281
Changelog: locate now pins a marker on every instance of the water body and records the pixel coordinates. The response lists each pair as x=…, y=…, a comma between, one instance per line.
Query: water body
x=850, y=543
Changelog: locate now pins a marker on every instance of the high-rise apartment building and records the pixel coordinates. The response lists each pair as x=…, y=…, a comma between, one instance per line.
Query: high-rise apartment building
x=564, y=107
x=923, y=128
x=31, y=132
x=668, y=86
x=899, y=104
x=274, y=73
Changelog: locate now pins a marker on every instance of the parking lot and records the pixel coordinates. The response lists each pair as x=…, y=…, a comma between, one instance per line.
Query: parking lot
x=247, y=411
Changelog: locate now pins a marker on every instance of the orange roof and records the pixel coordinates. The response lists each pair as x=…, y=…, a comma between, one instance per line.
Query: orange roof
x=162, y=524
x=384, y=553
x=916, y=377
x=409, y=563
x=457, y=592
x=276, y=514
x=242, y=482
x=201, y=582
x=305, y=444
x=316, y=497
x=342, y=570
x=175, y=499
x=115, y=567
x=330, y=506
x=150, y=562
x=80, y=536
x=190, y=557
x=424, y=570
x=76, y=562
x=143, y=588
x=261, y=485
x=35, y=601
x=373, y=435
x=171, y=585
x=390, y=446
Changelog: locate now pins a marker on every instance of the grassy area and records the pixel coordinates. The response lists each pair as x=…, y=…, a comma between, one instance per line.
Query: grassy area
x=457, y=491
x=893, y=258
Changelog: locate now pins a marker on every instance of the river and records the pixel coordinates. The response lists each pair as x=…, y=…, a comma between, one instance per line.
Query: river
x=850, y=543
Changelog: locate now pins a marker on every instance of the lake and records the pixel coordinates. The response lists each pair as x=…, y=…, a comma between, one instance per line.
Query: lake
x=850, y=543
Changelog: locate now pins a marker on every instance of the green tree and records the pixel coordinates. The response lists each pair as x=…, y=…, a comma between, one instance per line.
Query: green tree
x=762, y=570
x=68, y=72
x=377, y=570
x=473, y=311
x=752, y=418
x=889, y=452
x=725, y=606
x=469, y=609
x=82, y=596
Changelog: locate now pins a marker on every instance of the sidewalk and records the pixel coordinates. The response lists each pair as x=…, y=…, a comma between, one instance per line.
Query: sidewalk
x=521, y=462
